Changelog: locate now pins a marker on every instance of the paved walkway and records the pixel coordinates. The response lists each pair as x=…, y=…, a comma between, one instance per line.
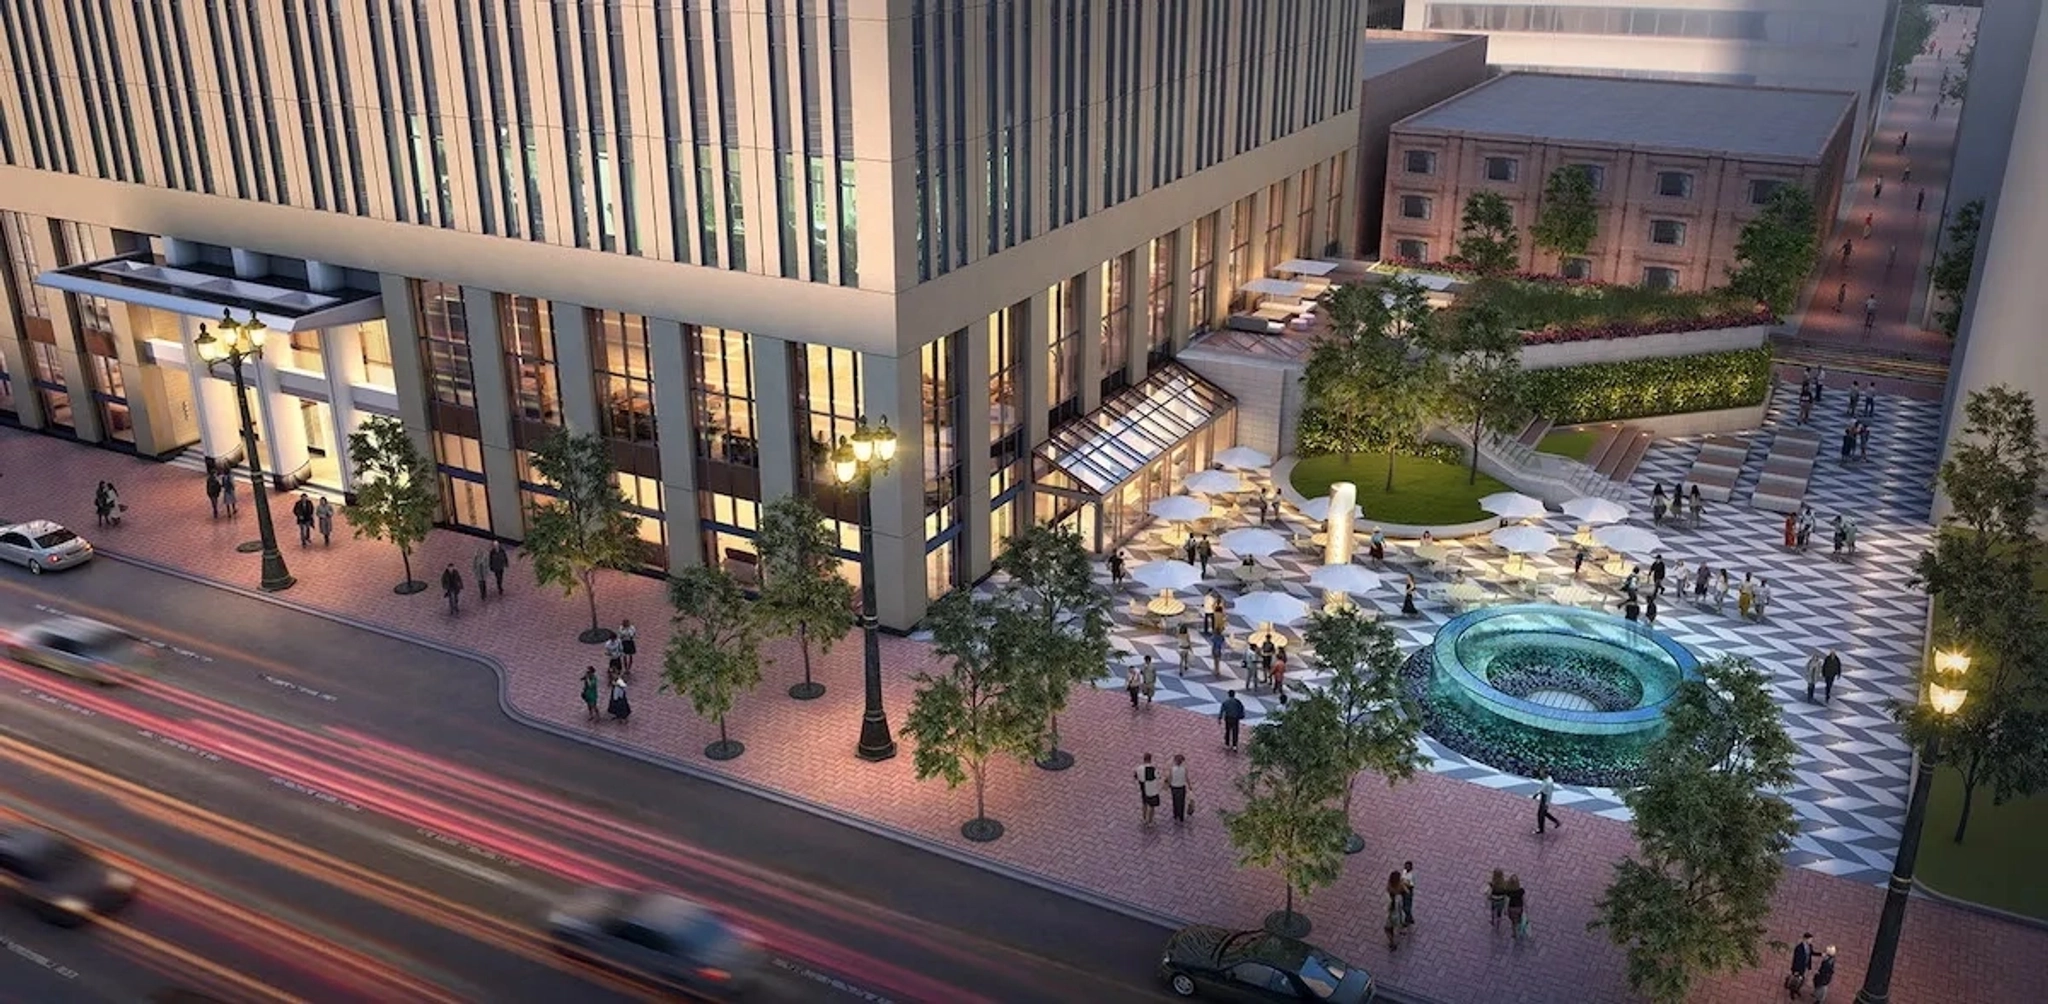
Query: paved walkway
x=1079, y=827
x=1894, y=221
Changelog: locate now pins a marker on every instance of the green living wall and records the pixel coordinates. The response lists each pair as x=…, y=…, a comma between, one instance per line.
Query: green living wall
x=1600, y=392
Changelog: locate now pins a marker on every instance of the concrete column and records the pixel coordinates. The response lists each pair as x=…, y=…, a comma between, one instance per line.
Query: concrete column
x=774, y=417
x=1179, y=312
x=667, y=343
x=281, y=428
x=326, y=278
x=1093, y=296
x=341, y=356
x=220, y=421
x=179, y=253
x=85, y=412
x=1139, y=289
x=575, y=372
x=250, y=264
x=28, y=408
x=891, y=387
x=976, y=363
x=494, y=413
x=148, y=427
x=1038, y=332
x=408, y=365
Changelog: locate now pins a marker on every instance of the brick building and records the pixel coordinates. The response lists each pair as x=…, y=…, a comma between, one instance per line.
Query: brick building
x=1678, y=167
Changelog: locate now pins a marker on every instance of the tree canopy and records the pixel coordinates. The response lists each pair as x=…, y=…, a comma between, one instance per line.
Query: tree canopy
x=1777, y=250
x=580, y=526
x=1955, y=264
x=986, y=703
x=1914, y=27
x=1569, y=220
x=1378, y=373
x=1378, y=728
x=802, y=592
x=713, y=652
x=1050, y=574
x=1296, y=771
x=1487, y=240
x=398, y=492
x=1485, y=385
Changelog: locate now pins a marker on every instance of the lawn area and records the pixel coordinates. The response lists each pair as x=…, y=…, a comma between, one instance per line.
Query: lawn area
x=1998, y=864
x=1575, y=444
x=1426, y=492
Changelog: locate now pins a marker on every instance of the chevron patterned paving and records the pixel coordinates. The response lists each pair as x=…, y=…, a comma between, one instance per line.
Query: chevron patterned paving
x=1852, y=774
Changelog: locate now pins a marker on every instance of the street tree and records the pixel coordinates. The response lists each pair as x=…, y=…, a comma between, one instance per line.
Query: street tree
x=1289, y=822
x=397, y=491
x=1485, y=384
x=1957, y=87
x=1711, y=834
x=714, y=648
x=802, y=593
x=1378, y=728
x=1376, y=377
x=1953, y=266
x=1982, y=573
x=1776, y=251
x=581, y=526
x=1570, y=217
x=713, y=653
x=1910, y=32
x=985, y=704
x=1050, y=574
x=1487, y=241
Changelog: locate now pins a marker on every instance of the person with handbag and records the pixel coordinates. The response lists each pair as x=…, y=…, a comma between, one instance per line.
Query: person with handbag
x=1802, y=960
x=1497, y=896
x=1518, y=907
x=1177, y=787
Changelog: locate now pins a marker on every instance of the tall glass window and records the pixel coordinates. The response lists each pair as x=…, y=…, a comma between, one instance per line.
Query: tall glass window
x=828, y=403
x=1116, y=323
x=464, y=500
x=1201, y=294
x=1333, y=217
x=1159, y=301
x=1063, y=352
x=729, y=524
x=76, y=246
x=20, y=251
x=722, y=384
x=942, y=461
x=46, y=368
x=625, y=375
x=1239, y=262
x=644, y=499
x=1005, y=386
x=375, y=341
x=1276, y=223
x=528, y=328
x=444, y=341
x=110, y=391
x=1305, y=213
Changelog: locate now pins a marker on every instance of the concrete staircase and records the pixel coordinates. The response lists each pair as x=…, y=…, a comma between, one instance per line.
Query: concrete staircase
x=1718, y=466
x=1515, y=461
x=1782, y=486
x=1619, y=449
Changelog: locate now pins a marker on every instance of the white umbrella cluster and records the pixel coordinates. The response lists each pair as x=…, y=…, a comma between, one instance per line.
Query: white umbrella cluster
x=1512, y=505
x=1213, y=483
x=1179, y=508
x=1256, y=542
x=1523, y=540
x=1167, y=574
x=1243, y=458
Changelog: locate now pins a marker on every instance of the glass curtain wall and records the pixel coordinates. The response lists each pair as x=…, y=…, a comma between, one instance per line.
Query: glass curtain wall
x=1201, y=292
x=944, y=471
x=1100, y=475
x=1063, y=363
x=828, y=402
x=1276, y=223
x=727, y=448
x=1116, y=323
x=1006, y=446
x=1333, y=217
x=1305, y=213
x=32, y=318
x=443, y=324
x=624, y=372
x=1160, y=300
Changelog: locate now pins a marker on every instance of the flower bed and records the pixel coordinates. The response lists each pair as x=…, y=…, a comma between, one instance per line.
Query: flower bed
x=1521, y=670
x=1551, y=309
x=1515, y=748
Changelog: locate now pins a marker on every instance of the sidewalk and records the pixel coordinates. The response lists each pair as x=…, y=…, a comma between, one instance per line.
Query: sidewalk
x=1079, y=827
x=1901, y=290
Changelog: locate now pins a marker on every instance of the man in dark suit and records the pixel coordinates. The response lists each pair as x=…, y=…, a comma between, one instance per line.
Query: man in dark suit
x=1802, y=960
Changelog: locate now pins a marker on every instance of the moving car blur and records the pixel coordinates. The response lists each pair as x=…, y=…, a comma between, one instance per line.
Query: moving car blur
x=81, y=647
x=55, y=877
x=661, y=938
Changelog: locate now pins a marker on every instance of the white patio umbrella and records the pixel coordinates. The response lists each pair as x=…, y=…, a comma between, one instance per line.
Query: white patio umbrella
x=1523, y=540
x=1627, y=539
x=1213, y=482
x=1167, y=574
x=1346, y=578
x=1595, y=510
x=1512, y=505
x=1270, y=608
x=1318, y=509
x=1179, y=508
x=1244, y=458
x=1254, y=541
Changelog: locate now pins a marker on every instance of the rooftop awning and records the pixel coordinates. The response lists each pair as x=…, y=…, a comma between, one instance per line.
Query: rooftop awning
x=1105, y=448
x=138, y=279
x=1276, y=287
x=1305, y=266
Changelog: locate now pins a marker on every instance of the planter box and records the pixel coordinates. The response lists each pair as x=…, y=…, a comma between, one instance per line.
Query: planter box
x=1696, y=423
x=1614, y=350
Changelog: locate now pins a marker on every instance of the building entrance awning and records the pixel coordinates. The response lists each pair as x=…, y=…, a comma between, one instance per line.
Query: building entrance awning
x=139, y=280
x=1096, y=453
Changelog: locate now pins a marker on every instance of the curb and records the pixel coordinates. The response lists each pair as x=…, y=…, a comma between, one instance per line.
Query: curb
x=1993, y=912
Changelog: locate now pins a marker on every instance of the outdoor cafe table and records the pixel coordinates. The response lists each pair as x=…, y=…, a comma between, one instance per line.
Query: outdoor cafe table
x=1432, y=553
x=1166, y=604
x=1466, y=594
x=1252, y=575
x=1524, y=573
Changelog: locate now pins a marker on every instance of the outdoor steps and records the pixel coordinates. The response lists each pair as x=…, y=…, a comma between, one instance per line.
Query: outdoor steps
x=1782, y=486
x=1718, y=466
x=1533, y=433
x=1631, y=445
x=1610, y=434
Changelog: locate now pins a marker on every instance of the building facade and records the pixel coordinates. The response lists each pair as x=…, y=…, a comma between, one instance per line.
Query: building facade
x=1677, y=168
x=1827, y=45
x=715, y=233
x=1403, y=73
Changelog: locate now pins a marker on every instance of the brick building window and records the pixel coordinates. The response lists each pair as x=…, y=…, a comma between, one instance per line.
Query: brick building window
x=1416, y=207
x=1674, y=184
x=1419, y=161
x=1503, y=169
x=1667, y=232
x=1659, y=277
x=1412, y=250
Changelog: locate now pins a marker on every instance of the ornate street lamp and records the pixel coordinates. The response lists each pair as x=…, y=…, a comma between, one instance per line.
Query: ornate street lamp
x=238, y=343
x=855, y=463
x=1945, y=694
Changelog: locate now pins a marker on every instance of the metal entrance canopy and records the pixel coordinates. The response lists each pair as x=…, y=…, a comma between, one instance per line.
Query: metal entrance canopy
x=139, y=280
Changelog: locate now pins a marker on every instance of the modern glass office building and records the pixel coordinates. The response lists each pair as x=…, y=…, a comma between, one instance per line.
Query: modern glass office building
x=715, y=233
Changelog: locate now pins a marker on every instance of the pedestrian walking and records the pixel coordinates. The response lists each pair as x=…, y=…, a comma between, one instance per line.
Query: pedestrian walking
x=1203, y=552
x=1824, y=977
x=1278, y=670
x=1186, y=648
x=1802, y=960
x=1805, y=403
x=1820, y=382
x=1699, y=511
x=1869, y=311
x=1657, y=573
x=1378, y=546
x=614, y=657
x=1578, y=560
x=1760, y=598
x=1862, y=447
x=1177, y=787
x=1150, y=678
x=451, y=587
x=1133, y=683
x=1813, y=663
x=1848, y=248
x=1407, y=894
x=1903, y=138
x=590, y=693
x=1188, y=549
x=1216, y=642
x=1906, y=176
x=1148, y=788
x=213, y=493
x=1870, y=401
x=1543, y=794
x=1497, y=896
x=1394, y=914
x=480, y=567
x=1650, y=613
x=1231, y=714
x=1841, y=294
x=1632, y=611
x=1920, y=201
x=1891, y=257
x=1869, y=221
x=1830, y=671
x=628, y=636
x=1518, y=907
x=1721, y=592
x=500, y=560
x=99, y=504
x=1699, y=585
x=1855, y=397
x=323, y=515
x=1877, y=190
x=302, y=514
x=1116, y=568
x=1408, y=599
x=621, y=706
x=227, y=493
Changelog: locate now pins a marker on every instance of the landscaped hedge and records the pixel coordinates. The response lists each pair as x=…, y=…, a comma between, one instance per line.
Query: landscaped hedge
x=1549, y=308
x=1318, y=435
x=1600, y=392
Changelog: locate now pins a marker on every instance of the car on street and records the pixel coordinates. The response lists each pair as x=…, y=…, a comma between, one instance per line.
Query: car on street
x=42, y=546
x=660, y=938
x=59, y=880
x=81, y=647
x=1257, y=966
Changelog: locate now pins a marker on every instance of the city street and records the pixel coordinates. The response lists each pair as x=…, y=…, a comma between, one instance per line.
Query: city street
x=332, y=814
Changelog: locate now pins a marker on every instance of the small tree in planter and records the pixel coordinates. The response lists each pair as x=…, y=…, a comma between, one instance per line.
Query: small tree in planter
x=987, y=703
x=1487, y=242
x=397, y=491
x=1777, y=250
x=1952, y=267
x=1570, y=218
x=1486, y=383
x=713, y=654
x=1288, y=822
x=583, y=528
x=1378, y=729
x=1051, y=575
x=802, y=592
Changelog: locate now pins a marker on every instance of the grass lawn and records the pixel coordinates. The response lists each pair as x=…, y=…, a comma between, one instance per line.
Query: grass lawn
x=1426, y=492
x=1998, y=863
x=1575, y=444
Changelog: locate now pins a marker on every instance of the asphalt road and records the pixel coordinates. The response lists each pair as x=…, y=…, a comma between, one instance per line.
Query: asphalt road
x=290, y=782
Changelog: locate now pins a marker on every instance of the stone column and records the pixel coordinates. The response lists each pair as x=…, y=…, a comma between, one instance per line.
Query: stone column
x=1138, y=286
x=180, y=253
x=220, y=421
x=250, y=264
x=1093, y=297
x=891, y=388
x=669, y=346
x=281, y=428
x=408, y=366
x=341, y=356
x=28, y=407
x=494, y=413
x=1178, y=310
x=149, y=429
x=78, y=383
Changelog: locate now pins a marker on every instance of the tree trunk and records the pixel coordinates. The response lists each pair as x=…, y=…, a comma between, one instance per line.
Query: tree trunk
x=980, y=792
x=405, y=557
x=1473, y=478
x=1969, y=796
x=590, y=594
x=1290, y=899
x=721, y=731
x=1391, y=451
x=1052, y=731
x=803, y=642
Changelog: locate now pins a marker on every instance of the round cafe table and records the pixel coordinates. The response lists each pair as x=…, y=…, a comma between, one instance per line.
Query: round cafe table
x=1166, y=605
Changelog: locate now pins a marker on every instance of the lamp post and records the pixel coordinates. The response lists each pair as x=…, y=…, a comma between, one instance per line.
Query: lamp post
x=238, y=343
x=1945, y=694
x=855, y=463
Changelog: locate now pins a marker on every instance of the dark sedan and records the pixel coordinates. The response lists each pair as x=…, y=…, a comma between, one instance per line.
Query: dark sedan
x=663, y=939
x=1257, y=966
x=58, y=879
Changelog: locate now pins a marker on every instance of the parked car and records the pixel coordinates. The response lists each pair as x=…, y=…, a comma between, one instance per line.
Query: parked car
x=43, y=546
x=82, y=647
x=660, y=938
x=1257, y=966
x=56, y=878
